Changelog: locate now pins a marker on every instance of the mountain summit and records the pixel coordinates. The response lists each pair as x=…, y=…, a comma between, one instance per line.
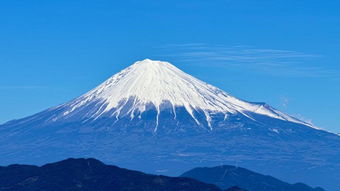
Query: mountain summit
x=153, y=117
x=158, y=85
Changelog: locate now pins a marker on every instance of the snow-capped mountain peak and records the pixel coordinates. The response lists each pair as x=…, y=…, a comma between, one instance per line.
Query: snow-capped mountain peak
x=152, y=116
x=157, y=82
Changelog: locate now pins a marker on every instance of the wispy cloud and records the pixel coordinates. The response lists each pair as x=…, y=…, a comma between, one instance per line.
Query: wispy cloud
x=272, y=61
x=284, y=101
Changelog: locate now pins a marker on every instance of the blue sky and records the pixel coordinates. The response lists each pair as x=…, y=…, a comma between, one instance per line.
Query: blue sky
x=285, y=53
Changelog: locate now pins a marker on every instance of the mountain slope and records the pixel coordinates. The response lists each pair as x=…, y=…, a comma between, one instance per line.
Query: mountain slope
x=161, y=85
x=90, y=175
x=153, y=117
x=228, y=176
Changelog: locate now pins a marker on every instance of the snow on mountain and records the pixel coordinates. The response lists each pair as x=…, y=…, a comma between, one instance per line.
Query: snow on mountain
x=157, y=82
x=153, y=117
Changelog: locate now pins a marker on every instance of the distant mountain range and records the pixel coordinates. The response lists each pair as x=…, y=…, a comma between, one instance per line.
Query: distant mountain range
x=93, y=175
x=229, y=176
x=155, y=118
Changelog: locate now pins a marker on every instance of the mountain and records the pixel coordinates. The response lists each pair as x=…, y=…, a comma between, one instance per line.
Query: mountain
x=155, y=118
x=93, y=175
x=90, y=175
x=229, y=176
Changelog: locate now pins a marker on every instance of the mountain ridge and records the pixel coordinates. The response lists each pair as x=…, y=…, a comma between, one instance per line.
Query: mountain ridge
x=90, y=175
x=227, y=176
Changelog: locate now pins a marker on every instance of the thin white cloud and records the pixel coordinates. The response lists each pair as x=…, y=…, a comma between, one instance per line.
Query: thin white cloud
x=284, y=101
x=272, y=61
